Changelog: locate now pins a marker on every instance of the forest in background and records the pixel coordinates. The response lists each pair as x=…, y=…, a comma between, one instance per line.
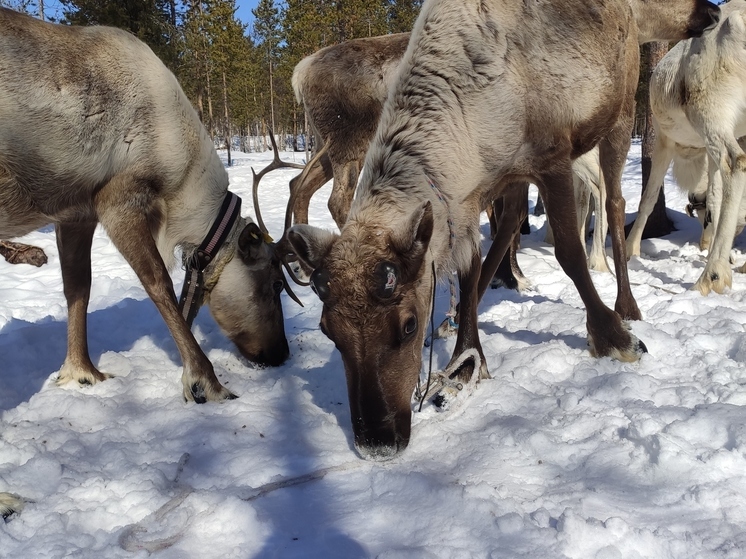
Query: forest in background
x=238, y=78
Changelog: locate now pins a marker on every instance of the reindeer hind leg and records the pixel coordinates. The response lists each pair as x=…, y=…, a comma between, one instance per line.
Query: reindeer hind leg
x=607, y=334
x=74, y=245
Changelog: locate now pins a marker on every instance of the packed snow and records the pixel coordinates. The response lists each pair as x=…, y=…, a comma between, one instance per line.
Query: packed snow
x=558, y=455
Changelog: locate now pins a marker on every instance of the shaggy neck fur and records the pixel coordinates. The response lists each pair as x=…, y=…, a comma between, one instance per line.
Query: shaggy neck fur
x=405, y=156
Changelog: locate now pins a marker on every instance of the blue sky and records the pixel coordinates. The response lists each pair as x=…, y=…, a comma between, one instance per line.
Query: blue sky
x=243, y=11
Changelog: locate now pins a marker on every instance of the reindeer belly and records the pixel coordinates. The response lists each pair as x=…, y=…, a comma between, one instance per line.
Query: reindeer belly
x=18, y=214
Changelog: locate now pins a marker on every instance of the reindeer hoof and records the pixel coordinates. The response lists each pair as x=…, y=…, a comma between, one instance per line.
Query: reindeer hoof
x=82, y=376
x=716, y=277
x=446, y=396
x=198, y=394
x=625, y=351
x=10, y=504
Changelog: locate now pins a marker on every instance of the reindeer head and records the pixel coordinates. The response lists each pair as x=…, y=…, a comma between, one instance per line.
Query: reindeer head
x=674, y=20
x=245, y=301
x=376, y=288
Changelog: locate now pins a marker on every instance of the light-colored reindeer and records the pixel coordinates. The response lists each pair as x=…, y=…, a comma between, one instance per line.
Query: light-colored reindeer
x=489, y=92
x=95, y=129
x=698, y=101
x=110, y=138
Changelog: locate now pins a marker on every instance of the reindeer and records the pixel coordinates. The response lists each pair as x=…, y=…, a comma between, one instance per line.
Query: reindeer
x=111, y=138
x=508, y=91
x=342, y=88
x=698, y=101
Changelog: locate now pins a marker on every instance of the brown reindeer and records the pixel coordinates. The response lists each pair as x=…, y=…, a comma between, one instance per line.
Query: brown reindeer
x=489, y=92
x=342, y=88
x=110, y=138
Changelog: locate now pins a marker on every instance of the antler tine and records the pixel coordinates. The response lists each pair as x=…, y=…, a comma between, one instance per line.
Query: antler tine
x=276, y=163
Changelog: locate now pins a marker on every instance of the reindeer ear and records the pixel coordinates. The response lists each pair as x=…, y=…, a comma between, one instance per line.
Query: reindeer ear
x=250, y=243
x=311, y=244
x=412, y=243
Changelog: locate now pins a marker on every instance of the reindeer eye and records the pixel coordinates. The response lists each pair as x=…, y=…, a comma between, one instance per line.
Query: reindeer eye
x=320, y=283
x=410, y=326
x=386, y=277
x=278, y=286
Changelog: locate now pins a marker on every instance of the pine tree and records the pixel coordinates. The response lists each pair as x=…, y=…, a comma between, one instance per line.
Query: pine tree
x=227, y=46
x=267, y=32
x=402, y=14
x=151, y=21
x=24, y=6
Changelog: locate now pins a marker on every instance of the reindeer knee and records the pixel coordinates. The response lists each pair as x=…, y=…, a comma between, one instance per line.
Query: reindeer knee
x=740, y=164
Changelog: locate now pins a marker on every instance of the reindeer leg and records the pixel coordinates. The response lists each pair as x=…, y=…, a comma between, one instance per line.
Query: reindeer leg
x=74, y=245
x=305, y=185
x=612, y=156
x=597, y=257
x=492, y=212
x=126, y=209
x=661, y=160
x=608, y=336
x=343, y=190
x=731, y=160
x=468, y=331
x=501, y=263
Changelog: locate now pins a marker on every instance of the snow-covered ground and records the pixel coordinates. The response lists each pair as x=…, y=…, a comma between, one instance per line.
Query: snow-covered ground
x=559, y=455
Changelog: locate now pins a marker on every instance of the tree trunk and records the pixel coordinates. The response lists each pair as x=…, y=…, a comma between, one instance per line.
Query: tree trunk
x=227, y=127
x=271, y=97
x=659, y=224
x=210, y=120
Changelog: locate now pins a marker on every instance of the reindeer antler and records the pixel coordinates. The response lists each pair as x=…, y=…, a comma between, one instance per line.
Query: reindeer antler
x=281, y=247
x=301, y=183
x=277, y=163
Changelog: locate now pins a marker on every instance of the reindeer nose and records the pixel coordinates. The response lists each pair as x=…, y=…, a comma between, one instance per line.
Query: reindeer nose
x=380, y=443
x=273, y=358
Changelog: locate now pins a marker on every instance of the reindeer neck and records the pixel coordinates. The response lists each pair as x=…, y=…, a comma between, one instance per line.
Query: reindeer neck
x=192, y=211
x=391, y=201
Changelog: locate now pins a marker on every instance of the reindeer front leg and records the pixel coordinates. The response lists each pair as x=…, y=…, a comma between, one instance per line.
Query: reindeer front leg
x=74, y=245
x=731, y=160
x=125, y=208
x=467, y=340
